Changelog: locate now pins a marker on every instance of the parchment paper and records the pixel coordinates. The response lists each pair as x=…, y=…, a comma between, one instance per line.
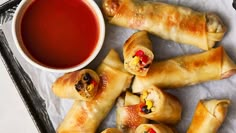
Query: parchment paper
x=163, y=49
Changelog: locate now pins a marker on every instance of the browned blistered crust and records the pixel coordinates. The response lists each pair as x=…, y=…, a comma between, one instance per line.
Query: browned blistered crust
x=187, y=70
x=167, y=108
x=208, y=116
x=171, y=22
x=64, y=86
x=85, y=116
x=137, y=41
x=133, y=119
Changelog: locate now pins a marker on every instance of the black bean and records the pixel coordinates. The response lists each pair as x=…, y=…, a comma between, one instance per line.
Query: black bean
x=148, y=111
x=145, y=110
x=147, y=66
x=87, y=78
x=79, y=86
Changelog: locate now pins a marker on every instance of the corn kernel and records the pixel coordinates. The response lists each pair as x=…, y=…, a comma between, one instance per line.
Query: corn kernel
x=90, y=87
x=149, y=104
x=144, y=95
x=135, y=60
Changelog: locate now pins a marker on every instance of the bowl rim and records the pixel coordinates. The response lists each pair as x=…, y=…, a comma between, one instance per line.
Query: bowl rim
x=101, y=23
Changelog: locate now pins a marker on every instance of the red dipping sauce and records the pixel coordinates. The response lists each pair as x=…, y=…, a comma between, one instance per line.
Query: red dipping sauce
x=59, y=33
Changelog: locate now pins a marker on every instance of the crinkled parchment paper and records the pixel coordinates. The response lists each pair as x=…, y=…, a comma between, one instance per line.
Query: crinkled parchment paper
x=163, y=49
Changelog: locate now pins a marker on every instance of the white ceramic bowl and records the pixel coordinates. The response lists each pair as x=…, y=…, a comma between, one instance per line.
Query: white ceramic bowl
x=16, y=25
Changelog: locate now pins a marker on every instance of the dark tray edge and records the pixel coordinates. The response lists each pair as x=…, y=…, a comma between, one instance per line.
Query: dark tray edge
x=9, y=4
x=25, y=87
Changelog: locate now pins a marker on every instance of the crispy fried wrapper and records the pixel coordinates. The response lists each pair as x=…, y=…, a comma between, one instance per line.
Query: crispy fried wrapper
x=137, y=52
x=209, y=116
x=79, y=85
x=171, y=22
x=127, y=118
x=187, y=70
x=160, y=106
x=85, y=116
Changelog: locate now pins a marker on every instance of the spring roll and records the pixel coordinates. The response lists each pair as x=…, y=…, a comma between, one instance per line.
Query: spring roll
x=111, y=130
x=131, y=99
x=187, y=70
x=127, y=118
x=85, y=116
x=160, y=106
x=208, y=116
x=137, y=52
x=79, y=85
x=154, y=128
x=171, y=22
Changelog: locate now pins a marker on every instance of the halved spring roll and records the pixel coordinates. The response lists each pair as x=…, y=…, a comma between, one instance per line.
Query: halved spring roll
x=160, y=106
x=171, y=22
x=111, y=130
x=79, y=85
x=85, y=116
x=138, y=55
x=127, y=118
x=208, y=116
x=154, y=128
x=187, y=70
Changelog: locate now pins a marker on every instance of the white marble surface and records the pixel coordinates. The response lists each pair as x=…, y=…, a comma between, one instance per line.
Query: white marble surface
x=14, y=116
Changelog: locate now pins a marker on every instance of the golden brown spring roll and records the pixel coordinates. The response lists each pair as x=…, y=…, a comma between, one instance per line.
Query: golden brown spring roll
x=171, y=22
x=208, y=116
x=111, y=130
x=137, y=52
x=154, y=128
x=131, y=99
x=79, y=85
x=160, y=106
x=187, y=70
x=127, y=118
x=85, y=116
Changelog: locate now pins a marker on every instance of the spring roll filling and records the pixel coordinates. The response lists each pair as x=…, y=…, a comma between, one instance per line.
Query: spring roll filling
x=214, y=25
x=148, y=102
x=150, y=130
x=86, y=85
x=140, y=61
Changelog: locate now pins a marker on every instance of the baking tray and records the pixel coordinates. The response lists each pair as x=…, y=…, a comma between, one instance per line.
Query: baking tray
x=25, y=87
x=31, y=98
